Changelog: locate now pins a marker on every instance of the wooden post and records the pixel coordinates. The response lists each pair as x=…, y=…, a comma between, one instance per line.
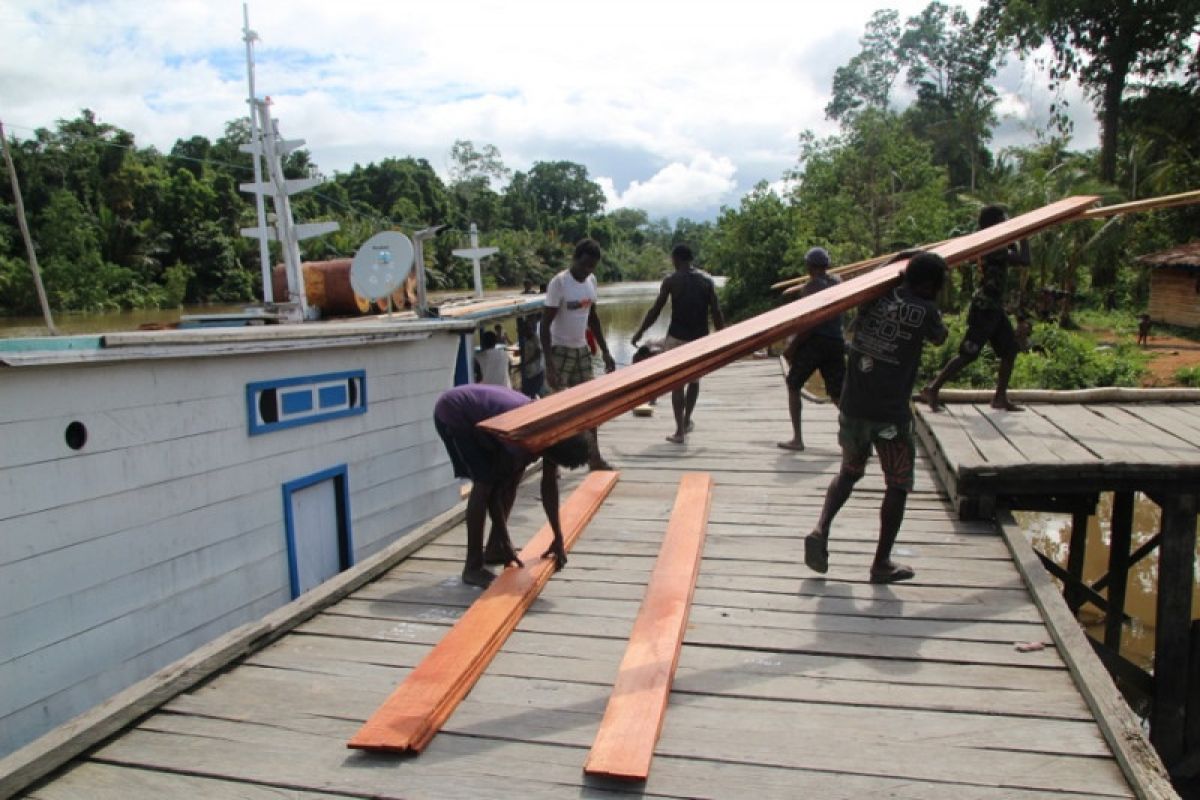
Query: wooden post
x=1118, y=567
x=1192, y=733
x=1078, y=546
x=1171, y=642
x=19, y=204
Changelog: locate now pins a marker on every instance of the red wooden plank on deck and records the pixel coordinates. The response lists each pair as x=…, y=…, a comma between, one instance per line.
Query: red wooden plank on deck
x=633, y=719
x=413, y=714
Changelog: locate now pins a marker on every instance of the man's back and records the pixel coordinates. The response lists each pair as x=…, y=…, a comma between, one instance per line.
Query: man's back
x=691, y=299
x=493, y=367
x=885, y=352
x=831, y=328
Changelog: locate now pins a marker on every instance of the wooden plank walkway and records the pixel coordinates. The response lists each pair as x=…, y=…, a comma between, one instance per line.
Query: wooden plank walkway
x=789, y=684
x=1051, y=448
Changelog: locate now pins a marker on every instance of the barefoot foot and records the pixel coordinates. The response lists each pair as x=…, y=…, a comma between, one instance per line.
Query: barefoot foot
x=930, y=398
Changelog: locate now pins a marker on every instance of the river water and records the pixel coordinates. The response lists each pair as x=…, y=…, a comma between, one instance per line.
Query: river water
x=621, y=309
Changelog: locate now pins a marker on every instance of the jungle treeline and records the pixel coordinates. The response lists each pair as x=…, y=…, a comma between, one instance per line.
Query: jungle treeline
x=121, y=225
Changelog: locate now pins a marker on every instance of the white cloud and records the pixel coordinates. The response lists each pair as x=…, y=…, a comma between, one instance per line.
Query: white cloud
x=681, y=103
x=702, y=183
x=783, y=187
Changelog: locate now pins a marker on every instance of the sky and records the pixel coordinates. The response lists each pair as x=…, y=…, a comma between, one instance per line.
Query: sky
x=674, y=107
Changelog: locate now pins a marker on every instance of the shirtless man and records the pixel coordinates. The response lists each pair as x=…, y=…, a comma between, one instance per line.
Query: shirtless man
x=693, y=297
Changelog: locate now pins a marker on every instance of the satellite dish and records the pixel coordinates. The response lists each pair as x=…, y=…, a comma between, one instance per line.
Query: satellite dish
x=381, y=265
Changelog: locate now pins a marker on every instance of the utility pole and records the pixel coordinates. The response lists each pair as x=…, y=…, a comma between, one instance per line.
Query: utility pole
x=419, y=240
x=24, y=226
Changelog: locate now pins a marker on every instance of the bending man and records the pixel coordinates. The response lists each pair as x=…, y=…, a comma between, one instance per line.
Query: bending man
x=495, y=469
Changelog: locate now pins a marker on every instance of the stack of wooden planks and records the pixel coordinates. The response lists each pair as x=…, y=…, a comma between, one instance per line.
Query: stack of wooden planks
x=414, y=713
x=633, y=719
x=540, y=424
x=845, y=272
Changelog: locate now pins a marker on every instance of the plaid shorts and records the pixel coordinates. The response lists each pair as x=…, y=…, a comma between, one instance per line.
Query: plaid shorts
x=572, y=365
x=893, y=441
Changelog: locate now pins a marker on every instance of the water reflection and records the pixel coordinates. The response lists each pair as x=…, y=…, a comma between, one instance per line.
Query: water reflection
x=1051, y=534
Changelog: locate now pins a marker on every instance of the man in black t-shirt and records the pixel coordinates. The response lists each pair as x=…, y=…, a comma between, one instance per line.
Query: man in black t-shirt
x=885, y=351
x=823, y=348
x=693, y=297
x=987, y=321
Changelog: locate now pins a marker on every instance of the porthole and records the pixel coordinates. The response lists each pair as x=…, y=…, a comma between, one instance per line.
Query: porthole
x=76, y=435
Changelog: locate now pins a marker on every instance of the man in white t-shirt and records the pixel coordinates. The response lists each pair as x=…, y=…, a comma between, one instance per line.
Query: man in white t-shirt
x=568, y=315
x=491, y=362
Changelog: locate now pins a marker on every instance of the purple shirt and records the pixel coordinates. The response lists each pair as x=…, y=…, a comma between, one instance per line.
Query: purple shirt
x=462, y=408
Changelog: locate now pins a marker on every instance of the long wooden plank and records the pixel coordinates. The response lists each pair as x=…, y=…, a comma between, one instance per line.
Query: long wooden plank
x=793, y=285
x=1149, y=204
x=411, y=715
x=632, y=721
x=796, y=285
x=581, y=407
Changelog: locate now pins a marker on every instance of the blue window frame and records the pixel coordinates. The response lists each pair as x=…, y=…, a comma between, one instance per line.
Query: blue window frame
x=304, y=400
x=303, y=576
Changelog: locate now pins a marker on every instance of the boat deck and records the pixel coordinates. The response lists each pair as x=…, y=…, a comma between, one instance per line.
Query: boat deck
x=789, y=684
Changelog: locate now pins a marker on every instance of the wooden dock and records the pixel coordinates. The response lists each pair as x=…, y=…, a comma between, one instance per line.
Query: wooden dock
x=789, y=684
x=1059, y=457
x=1066, y=449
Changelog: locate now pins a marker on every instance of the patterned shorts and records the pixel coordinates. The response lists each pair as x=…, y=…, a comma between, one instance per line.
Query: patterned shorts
x=893, y=442
x=572, y=365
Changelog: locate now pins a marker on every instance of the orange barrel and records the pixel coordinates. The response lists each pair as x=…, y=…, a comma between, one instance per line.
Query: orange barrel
x=326, y=286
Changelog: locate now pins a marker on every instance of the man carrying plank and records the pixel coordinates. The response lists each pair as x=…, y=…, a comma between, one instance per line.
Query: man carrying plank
x=693, y=297
x=885, y=351
x=495, y=469
x=987, y=321
x=823, y=348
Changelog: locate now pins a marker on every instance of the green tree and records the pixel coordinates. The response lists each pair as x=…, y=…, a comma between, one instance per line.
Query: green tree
x=866, y=81
x=469, y=164
x=1105, y=44
x=754, y=246
x=554, y=195
x=950, y=61
x=870, y=190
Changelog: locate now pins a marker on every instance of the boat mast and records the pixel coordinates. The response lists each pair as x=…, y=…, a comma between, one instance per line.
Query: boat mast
x=267, y=144
x=264, y=249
